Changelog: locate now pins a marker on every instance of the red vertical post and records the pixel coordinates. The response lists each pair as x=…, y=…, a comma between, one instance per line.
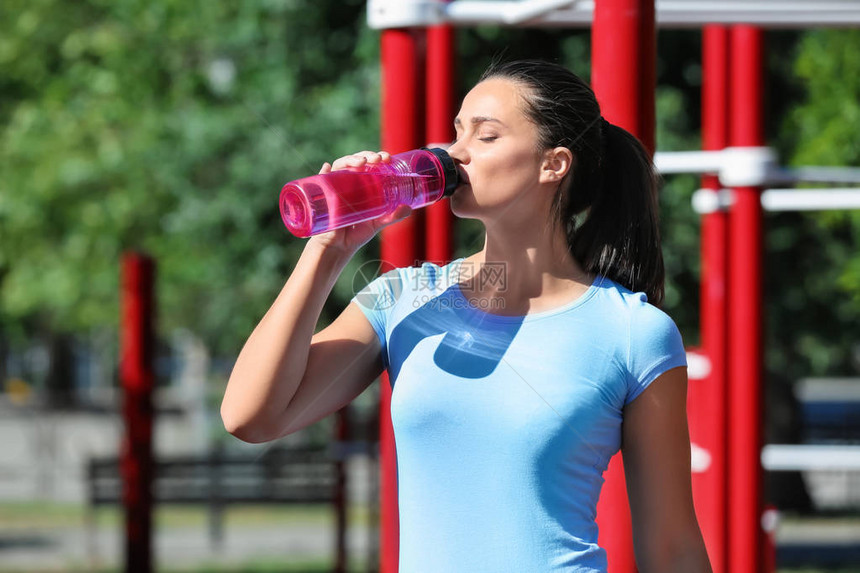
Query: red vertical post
x=137, y=380
x=707, y=397
x=745, y=313
x=441, y=109
x=402, y=130
x=623, y=63
x=341, y=431
x=770, y=519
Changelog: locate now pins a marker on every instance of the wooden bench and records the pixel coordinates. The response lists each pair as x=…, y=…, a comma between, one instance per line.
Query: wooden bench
x=279, y=476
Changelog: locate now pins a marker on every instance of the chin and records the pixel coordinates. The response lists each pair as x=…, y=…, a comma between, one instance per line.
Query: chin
x=463, y=204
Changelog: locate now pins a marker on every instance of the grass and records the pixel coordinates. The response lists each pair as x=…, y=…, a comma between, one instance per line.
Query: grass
x=807, y=570
x=45, y=515
x=29, y=516
x=255, y=566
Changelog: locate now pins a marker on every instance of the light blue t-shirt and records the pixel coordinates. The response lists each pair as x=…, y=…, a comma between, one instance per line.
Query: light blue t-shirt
x=504, y=425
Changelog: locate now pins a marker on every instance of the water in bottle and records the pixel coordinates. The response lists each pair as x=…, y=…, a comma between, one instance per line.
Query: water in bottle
x=323, y=202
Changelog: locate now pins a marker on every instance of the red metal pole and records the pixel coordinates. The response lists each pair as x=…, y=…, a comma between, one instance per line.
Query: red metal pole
x=623, y=56
x=441, y=109
x=341, y=431
x=137, y=379
x=402, y=87
x=623, y=68
x=745, y=313
x=707, y=397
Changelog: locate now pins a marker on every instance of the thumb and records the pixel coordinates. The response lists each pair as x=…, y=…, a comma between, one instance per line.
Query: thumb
x=401, y=212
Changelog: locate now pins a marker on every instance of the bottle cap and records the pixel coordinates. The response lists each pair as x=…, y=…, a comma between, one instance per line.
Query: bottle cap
x=449, y=169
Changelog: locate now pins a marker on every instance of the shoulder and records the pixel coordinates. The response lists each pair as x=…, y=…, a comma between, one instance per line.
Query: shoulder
x=637, y=312
x=654, y=343
x=649, y=331
x=649, y=324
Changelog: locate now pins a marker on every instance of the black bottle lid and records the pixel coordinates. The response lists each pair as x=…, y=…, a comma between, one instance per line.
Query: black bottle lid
x=452, y=176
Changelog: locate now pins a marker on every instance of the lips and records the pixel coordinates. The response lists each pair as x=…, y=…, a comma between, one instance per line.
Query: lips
x=464, y=177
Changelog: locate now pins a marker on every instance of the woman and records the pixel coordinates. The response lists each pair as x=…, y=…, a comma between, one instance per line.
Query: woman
x=518, y=371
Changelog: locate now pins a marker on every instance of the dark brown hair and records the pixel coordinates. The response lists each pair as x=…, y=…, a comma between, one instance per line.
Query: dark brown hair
x=608, y=201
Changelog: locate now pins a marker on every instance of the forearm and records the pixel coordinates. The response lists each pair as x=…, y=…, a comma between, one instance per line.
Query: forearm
x=272, y=363
x=681, y=552
x=692, y=559
x=656, y=448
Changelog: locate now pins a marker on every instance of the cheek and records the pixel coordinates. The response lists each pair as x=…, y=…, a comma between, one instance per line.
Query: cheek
x=510, y=172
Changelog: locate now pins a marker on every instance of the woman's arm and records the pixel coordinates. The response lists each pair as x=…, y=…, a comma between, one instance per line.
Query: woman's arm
x=273, y=362
x=286, y=377
x=656, y=451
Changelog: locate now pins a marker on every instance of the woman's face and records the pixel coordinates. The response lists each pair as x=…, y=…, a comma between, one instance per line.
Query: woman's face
x=497, y=151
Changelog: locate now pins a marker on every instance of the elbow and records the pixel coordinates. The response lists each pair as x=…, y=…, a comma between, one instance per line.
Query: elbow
x=246, y=429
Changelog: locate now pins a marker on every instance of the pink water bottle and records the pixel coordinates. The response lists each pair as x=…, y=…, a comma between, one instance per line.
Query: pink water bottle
x=320, y=203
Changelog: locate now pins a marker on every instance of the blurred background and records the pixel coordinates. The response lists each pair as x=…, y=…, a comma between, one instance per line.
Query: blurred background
x=169, y=127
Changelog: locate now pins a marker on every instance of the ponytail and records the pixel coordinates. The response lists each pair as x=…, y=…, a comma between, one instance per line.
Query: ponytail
x=617, y=233
x=608, y=201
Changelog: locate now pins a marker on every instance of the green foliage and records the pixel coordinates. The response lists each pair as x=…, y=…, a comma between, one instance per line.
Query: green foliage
x=168, y=127
x=812, y=277
x=824, y=126
x=680, y=227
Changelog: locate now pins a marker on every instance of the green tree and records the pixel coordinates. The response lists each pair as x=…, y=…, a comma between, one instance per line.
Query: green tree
x=813, y=266
x=168, y=127
x=171, y=126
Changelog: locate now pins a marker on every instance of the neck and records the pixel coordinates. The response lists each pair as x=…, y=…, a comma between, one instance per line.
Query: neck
x=526, y=263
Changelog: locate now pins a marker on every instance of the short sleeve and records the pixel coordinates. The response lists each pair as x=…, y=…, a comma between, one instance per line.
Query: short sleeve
x=377, y=300
x=655, y=347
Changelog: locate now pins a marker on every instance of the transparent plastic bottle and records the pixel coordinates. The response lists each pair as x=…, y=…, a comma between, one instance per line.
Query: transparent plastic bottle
x=327, y=201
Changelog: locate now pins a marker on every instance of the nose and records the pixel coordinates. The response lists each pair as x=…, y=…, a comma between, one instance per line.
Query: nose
x=458, y=152
x=461, y=157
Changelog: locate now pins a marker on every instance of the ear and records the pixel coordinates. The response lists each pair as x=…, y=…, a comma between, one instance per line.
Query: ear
x=556, y=164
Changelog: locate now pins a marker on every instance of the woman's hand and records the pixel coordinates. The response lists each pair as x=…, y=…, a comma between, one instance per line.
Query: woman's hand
x=349, y=239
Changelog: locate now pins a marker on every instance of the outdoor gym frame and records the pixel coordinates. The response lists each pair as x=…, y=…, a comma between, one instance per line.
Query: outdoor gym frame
x=418, y=107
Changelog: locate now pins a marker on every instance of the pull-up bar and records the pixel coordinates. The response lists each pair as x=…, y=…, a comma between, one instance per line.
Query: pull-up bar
x=580, y=13
x=805, y=457
x=757, y=166
x=743, y=166
x=825, y=199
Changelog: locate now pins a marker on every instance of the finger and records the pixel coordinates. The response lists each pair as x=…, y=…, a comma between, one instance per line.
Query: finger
x=399, y=214
x=357, y=160
x=376, y=156
x=361, y=158
x=326, y=168
x=349, y=161
x=364, y=158
x=368, y=154
x=402, y=212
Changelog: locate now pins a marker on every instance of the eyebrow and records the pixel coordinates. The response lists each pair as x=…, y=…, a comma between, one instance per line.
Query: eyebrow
x=479, y=119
